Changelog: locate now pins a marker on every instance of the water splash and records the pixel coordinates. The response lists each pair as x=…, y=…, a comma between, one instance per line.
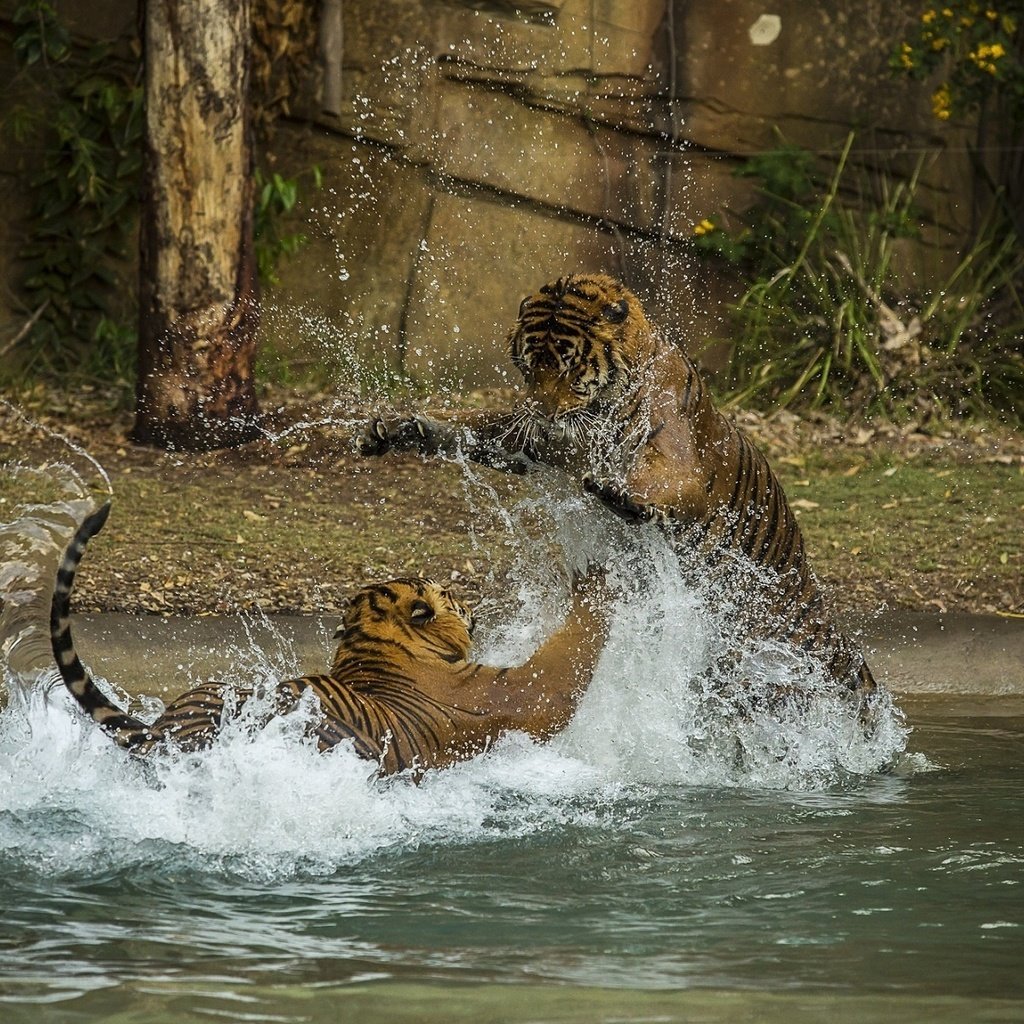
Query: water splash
x=33, y=535
x=265, y=805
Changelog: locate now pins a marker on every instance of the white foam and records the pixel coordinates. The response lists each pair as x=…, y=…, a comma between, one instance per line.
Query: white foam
x=265, y=804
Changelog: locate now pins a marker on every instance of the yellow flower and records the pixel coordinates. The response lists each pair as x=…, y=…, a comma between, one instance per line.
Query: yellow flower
x=928, y=17
x=984, y=56
x=705, y=227
x=946, y=12
x=940, y=102
x=939, y=44
x=991, y=15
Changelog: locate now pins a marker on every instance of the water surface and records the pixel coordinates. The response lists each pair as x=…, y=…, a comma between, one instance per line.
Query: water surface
x=668, y=857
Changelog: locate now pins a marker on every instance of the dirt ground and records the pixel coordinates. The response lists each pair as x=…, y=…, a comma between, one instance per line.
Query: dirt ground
x=904, y=517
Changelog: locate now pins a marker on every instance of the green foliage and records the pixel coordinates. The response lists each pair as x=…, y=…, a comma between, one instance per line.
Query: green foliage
x=973, y=56
x=276, y=197
x=975, y=50
x=83, y=126
x=86, y=124
x=827, y=319
x=40, y=36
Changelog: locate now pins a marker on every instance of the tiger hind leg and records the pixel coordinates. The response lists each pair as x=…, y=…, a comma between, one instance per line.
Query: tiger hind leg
x=193, y=721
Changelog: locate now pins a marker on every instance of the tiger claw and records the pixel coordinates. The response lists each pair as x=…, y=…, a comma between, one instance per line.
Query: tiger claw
x=422, y=429
x=375, y=439
x=414, y=433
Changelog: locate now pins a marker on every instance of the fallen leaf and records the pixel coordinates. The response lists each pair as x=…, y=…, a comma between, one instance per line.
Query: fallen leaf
x=804, y=504
x=253, y=517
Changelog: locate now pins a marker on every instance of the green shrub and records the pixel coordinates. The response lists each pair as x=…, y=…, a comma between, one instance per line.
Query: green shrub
x=86, y=123
x=826, y=318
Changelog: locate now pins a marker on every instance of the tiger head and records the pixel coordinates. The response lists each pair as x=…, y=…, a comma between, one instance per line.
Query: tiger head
x=579, y=343
x=413, y=613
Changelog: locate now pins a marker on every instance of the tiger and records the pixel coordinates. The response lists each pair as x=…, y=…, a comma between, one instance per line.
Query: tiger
x=628, y=415
x=401, y=688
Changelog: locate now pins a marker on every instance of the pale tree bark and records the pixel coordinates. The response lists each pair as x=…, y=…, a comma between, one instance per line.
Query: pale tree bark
x=198, y=290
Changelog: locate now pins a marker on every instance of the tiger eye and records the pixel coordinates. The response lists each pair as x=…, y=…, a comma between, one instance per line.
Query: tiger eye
x=616, y=311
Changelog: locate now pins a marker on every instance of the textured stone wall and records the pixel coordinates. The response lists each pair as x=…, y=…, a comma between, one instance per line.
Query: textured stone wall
x=494, y=146
x=497, y=145
x=474, y=149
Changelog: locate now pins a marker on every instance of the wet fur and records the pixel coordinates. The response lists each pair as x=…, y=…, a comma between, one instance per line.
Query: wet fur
x=628, y=415
x=400, y=688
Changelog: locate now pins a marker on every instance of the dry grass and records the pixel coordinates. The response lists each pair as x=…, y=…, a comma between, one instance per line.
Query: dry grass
x=904, y=517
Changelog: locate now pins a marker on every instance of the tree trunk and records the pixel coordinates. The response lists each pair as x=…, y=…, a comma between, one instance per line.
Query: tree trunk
x=198, y=291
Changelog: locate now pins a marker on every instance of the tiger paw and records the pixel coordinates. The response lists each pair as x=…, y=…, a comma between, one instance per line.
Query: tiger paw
x=412, y=433
x=374, y=439
x=616, y=499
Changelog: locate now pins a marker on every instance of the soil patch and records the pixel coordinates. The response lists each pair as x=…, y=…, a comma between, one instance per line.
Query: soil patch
x=898, y=517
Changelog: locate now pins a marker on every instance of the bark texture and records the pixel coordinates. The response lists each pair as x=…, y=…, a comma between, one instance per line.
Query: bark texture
x=198, y=291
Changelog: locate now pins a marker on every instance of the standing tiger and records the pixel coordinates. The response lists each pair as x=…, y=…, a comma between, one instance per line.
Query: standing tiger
x=626, y=412
x=400, y=688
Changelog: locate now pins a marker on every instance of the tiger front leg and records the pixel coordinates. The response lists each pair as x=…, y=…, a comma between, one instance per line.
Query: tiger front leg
x=615, y=498
x=655, y=488
x=478, y=435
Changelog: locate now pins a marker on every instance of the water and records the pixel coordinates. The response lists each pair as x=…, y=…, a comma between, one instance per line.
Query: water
x=269, y=889
x=262, y=881
x=663, y=859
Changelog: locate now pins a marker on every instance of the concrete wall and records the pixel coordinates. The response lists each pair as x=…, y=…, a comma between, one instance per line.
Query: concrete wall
x=477, y=149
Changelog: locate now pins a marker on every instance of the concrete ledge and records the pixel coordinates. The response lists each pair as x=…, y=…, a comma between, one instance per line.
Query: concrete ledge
x=914, y=653
x=921, y=653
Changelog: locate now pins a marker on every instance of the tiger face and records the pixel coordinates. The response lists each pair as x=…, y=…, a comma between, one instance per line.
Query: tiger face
x=416, y=613
x=578, y=342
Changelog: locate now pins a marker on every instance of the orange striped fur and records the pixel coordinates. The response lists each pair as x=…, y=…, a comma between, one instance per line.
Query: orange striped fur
x=625, y=411
x=400, y=689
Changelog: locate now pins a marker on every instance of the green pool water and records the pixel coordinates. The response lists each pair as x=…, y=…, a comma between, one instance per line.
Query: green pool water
x=521, y=890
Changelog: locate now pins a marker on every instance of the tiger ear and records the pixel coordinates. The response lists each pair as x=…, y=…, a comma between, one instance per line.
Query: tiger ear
x=616, y=312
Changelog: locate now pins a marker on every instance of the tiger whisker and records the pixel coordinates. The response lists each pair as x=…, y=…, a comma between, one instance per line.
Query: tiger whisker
x=520, y=432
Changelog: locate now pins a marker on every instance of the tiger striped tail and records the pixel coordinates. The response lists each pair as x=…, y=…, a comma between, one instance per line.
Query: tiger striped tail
x=127, y=731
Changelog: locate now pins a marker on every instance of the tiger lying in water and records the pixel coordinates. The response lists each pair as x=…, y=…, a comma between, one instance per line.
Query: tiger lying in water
x=400, y=687
x=626, y=413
